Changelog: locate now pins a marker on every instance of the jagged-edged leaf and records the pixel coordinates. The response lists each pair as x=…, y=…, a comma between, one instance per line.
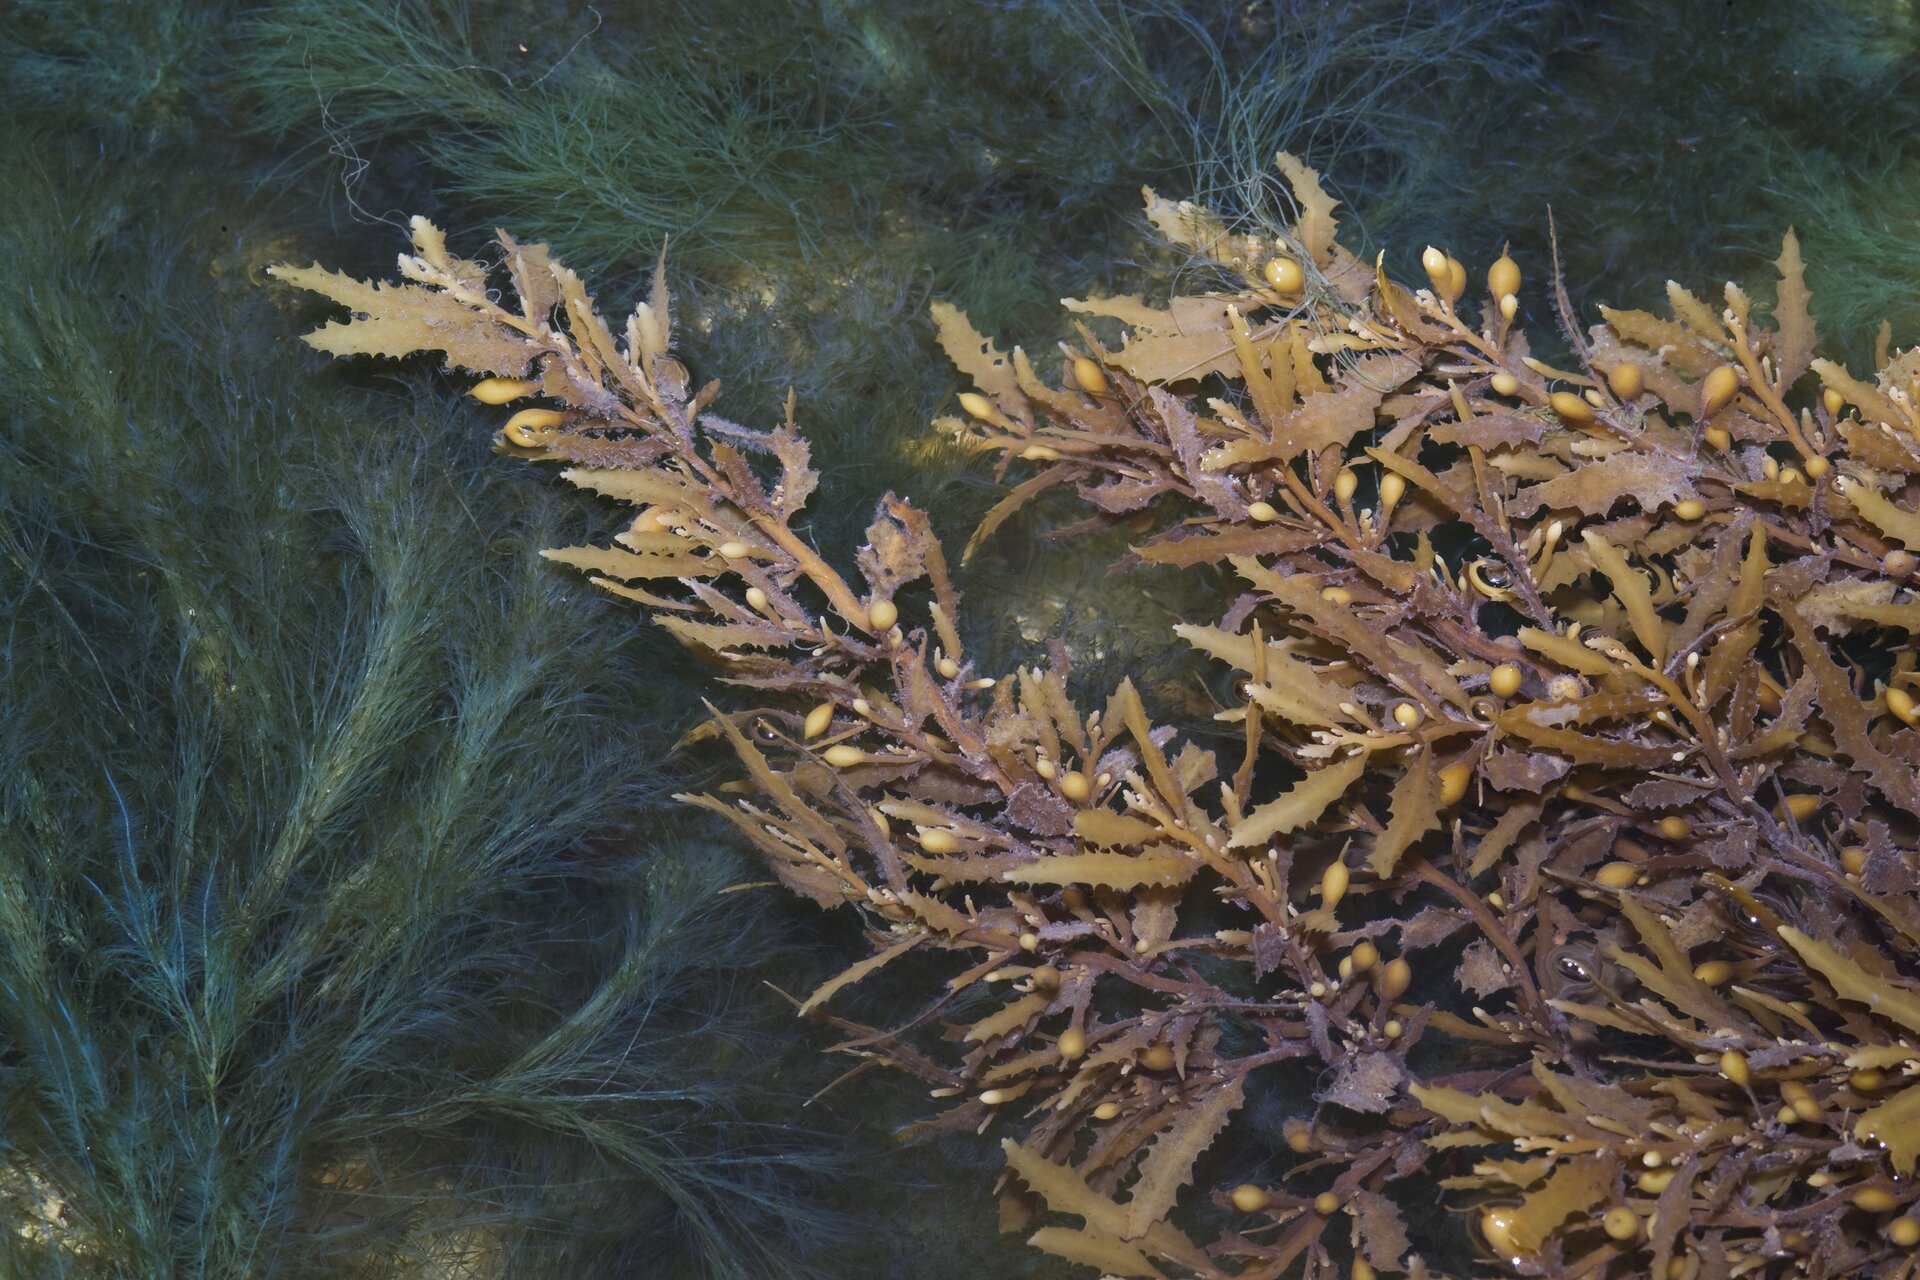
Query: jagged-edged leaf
x=1881, y=450
x=1179, y=357
x=401, y=319
x=1694, y=313
x=1340, y=624
x=653, y=488
x=1566, y=651
x=1896, y=522
x=1112, y=830
x=1884, y=1056
x=1066, y=1191
x=591, y=337
x=895, y=553
x=1285, y=700
x=1532, y=1118
x=1890, y=1000
x=1575, y=1187
x=1316, y=225
x=1671, y=975
x=1905, y=615
x=651, y=542
x=1115, y=870
x=777, y=786
x=1583, y=748
x=1415, y=813
x=1402, y=306
x=1522, y=813
x=1651, y=480
x=1366, y=1082
x=936, y=913
x=1017, y=497
x=530, y=266
x=1793, y=493
x=1895, y=1125
x=1194, y=227
x=1833, y=603
x=809, y=880
x=634, y=594
x=1328, y=418
x=1522, y=772
x=719, y=637
x=627, y=566
x=1873, y=406
x=1111, y=1255
x=1169, y=1164
x=1182, y=431
x=1291, y=688
x=975, y=355
x=430, y=242
x=1155, y=913
x=1009, y=1017
x=1631, y=588
x=1674, y=341
x=1126, y=308
x=798, y=479
x=1843, y=709
x=1793, y=340
x=1491, y=431
x=1124, y=707
x=1294, y=809
x=1380, y=1233
x=1452, y=1105
x=853, y=973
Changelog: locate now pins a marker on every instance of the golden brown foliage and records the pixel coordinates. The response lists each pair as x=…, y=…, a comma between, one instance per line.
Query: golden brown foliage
x=1566, y=837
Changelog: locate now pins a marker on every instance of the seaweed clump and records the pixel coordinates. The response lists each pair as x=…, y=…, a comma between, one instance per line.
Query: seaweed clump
x=1548, y=850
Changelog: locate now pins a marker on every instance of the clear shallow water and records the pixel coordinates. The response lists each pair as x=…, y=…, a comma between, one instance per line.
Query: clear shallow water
x=328, y=805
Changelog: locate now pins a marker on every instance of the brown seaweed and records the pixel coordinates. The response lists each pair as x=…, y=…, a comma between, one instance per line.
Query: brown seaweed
x=1564, y=834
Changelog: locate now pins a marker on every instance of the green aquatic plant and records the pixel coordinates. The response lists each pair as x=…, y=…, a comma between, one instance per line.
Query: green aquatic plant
x=654, y=142
x=973, y=154
x=133, y=70
x=1560, y=796
x=1370, y=91
x=1686, y=148
x=318, y=959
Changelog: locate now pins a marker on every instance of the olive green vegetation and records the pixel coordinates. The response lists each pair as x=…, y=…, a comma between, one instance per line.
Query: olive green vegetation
x=326, y=950
x=113, y=69
x=1680, y=141
x=333, y=828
